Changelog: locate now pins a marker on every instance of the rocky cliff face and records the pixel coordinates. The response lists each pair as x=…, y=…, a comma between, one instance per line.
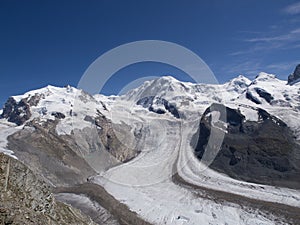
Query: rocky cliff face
x=71, y=158
x=262, y=151
x=16, y=112
x=25, y=199
x=111, y=142
x=66, y=144
x=39, y=147
x=294, y=77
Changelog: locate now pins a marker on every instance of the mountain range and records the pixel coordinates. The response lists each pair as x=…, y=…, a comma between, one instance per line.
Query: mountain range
x=166, y=152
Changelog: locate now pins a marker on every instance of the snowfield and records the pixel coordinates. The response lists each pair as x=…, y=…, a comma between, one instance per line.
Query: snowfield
x=6, y=129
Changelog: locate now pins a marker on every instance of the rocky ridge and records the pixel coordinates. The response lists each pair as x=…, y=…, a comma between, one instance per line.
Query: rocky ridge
x=26, y=199
x=295, y=76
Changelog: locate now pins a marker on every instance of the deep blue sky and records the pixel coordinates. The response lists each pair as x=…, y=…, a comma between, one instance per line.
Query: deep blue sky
x=53, y=42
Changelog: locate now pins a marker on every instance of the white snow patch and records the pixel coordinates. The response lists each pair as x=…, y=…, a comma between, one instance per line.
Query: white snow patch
x=7, y=129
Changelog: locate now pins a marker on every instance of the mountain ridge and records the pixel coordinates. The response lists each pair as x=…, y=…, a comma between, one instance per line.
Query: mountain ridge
x=71, y=137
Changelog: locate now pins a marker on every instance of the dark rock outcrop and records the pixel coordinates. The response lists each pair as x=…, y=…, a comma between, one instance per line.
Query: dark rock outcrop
x=264, y=94
x=111, y=141
x=19, y=112
x=295, y=76
x=16, y=112
x=58, y=115
x=262, y=152
x=148, y=102
x=252, y=98
x=39, y=147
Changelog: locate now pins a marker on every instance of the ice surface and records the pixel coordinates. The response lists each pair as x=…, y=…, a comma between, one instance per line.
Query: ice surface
x=7, y=129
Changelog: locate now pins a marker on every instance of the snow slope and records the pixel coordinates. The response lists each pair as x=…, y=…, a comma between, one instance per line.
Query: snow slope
x=7, y=129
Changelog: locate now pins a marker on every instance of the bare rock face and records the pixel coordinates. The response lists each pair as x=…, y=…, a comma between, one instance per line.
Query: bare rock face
x=16, y=112
x=111, y=142
x=25, y=199
x=46, y=153
x=252, y=98
x=19, y=112
x=71, y=159
x=152, y=103
x=264, y=94
x=263, y=152
x=294, y=77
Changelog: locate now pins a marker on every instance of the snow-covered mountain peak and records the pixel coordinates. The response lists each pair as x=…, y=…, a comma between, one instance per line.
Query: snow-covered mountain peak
x=47, y=91
x=166, y=83
x=268, y=81
x=165, y=86
x=167, y=79
x=238, y=84
x=50, y=102
x=162, y=93
x=240, y=80
x=265, y=77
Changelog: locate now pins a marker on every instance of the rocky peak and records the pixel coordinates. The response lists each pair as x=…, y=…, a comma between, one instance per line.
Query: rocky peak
x=238, y=84
x=165, y=86
x=295, y=76
x=16, y=112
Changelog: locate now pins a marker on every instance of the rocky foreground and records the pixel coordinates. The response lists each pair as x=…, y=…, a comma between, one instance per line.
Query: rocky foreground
x=26, y=199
